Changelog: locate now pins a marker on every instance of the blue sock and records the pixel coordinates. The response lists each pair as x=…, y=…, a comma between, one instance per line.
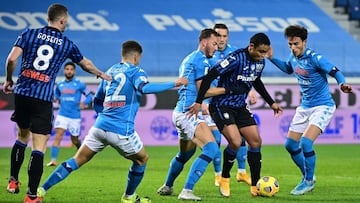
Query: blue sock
x=296, y=153
x=54, y=153
x=217, y=158
x=177, y=165
x=200, y=163
x=310, y=157
x=241, y=155
x=60, y=173
x=135, y=175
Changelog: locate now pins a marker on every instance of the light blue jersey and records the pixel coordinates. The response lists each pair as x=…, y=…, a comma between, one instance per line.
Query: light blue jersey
x=220, y=55
x=69, y=94
x=193, y=67
x=121, y=98
x=311, y=71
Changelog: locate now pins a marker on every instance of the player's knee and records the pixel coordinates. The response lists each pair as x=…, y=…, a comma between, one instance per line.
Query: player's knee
x=291, y=145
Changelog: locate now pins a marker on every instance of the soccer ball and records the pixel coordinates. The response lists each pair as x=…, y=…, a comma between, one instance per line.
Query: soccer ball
x=267, y=186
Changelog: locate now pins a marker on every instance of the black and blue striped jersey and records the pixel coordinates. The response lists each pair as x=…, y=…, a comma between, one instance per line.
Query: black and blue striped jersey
x=44, y=51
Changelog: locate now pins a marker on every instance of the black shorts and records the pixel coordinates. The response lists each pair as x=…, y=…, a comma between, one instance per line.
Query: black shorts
x=223, y=115
x=34, y=114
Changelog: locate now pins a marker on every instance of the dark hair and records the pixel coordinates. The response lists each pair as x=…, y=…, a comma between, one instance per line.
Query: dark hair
x=296, y=31
x=131, y=46
x=206, y=33
x=56, y=11
x=260, y=39
x=220, y=26
x=71, y=64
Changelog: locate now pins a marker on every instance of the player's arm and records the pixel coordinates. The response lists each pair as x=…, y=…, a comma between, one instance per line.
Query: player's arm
x=10, y=64
x=152, y=88
x=88, y=66
x=99, y=97
x=282, y=65
x=260, y=88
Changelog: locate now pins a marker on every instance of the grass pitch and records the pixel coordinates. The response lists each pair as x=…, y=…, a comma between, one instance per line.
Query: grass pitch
x=103, y=179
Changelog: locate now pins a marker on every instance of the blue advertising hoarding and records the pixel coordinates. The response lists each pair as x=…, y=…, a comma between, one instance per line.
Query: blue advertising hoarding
x=168, y=29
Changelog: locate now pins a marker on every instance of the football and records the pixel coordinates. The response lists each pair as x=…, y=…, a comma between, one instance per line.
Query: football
x=267, y=186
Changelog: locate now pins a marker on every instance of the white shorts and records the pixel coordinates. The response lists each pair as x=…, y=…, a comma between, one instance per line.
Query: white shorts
x=186, y=126
x=70, y=124
x=98, y=139
x=209, y=121
x=319, y=116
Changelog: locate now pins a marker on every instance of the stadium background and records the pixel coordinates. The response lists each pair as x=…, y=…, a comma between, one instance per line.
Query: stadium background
x=168, y=31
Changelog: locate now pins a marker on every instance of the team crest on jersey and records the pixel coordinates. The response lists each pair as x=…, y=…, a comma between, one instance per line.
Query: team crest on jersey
x=224, y=63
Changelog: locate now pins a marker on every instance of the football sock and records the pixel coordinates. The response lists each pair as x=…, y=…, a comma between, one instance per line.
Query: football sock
x=200, y=163
x=35, y=171
x=217, y=158
x=135, y=175
x=229, y=158
x=296, y=153
x=17, y=158
x=241, y=155
x=60, y=173
x=254, y=160
x=54, y=153
x=177, y=165
x=310, y=157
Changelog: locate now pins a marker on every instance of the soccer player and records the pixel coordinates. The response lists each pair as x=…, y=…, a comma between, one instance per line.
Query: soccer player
x=117, y=103
x=224, y=48
x=43, y=52
x=68, y=92
x=317, y=106
x=192, y=131
x=240, y=70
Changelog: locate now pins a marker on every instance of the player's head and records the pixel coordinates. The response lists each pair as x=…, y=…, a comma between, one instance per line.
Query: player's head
x=259, y=45
x=69, y=70
x=131, y=52
x=208, y=42
x=223, y=31
x=297, y=38
x=58, y=16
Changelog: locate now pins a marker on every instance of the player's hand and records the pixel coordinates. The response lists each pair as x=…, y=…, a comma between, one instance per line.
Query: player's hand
x=205, y=108
x=194, y=109
x=104, y=76
x=8, y=87
x=252, y=97
x=346, y=88
x=277, y=109
x=82, y=105
x=181, y=81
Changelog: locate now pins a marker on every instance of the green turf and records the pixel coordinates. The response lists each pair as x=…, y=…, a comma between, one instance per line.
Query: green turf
x=104, y=178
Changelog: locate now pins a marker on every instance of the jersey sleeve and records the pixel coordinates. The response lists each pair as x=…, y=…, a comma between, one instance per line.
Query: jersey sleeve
x=75, y=54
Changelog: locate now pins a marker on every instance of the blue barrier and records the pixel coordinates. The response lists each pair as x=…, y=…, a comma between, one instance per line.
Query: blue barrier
x=168, y=30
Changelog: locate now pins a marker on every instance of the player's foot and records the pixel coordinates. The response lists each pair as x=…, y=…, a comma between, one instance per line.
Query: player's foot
x=254, y=191
x=41, y=192
x=51, y=163
x=165, y=190
x=224, y=187
x=217, y=180
x=29, y=200
x=243, y=177
x=303, y=187
x=13, y=186
x=135, y=199
x=188, y=195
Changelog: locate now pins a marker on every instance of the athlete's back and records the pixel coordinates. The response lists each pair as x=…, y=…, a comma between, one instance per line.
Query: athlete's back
x=44, y=51
x=121, y=98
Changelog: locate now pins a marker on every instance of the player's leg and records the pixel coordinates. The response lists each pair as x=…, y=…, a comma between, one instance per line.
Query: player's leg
x=17, y=158
x=75, y=129
x=252, y=136
x=217, y=159
x=186, y=131
x=241, y=157
x=59, y=132
x=86, y=152
x=205, y=140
